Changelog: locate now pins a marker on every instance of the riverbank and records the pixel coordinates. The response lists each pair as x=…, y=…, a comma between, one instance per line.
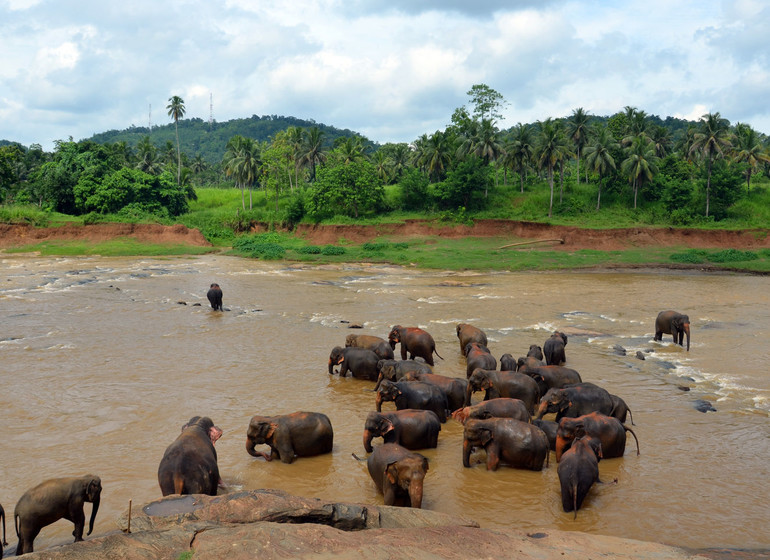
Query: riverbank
x=483, y=245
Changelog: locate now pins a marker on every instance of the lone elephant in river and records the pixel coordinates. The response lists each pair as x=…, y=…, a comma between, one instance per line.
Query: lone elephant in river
x=575, y=400
x=553, y=349
x=299, y=434
x=376, y=344
x=360, y=362
x=413, y=394
x=578, y=470
x=468, y=333
x=214, y=296
x=399, y=474
x=609, y=431
x=493, y=408
x=506, y=440
x=189, y=464
x=673, y=323
x=414, y=341
x=54, y=499
x=414, y=429
x=507, y=384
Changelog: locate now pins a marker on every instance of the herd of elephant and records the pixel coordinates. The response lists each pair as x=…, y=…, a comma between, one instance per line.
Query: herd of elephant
x=507, y=424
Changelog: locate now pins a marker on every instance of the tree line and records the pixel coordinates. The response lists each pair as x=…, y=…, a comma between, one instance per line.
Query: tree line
x=689, y=169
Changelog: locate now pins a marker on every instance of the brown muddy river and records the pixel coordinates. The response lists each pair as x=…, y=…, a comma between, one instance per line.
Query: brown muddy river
x=100, y=367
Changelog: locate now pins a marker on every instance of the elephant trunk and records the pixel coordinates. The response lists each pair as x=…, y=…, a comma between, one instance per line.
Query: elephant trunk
x=562, y=444
x=250, y=444
x=415, y=492
x=468, y=395
x=368, y=440
x=541, y=410
x=378, y=402
x=687, y=332
x=94, y=509
x=467, y=448
x=331, y=367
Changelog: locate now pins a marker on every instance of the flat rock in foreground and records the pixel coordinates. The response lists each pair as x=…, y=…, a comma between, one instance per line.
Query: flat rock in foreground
x=270, y=524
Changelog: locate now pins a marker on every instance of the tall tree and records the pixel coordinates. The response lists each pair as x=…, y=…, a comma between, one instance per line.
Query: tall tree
x=599, y=158
x=711, y=141
x=312, y=151
x=483, y=143
x=523, y=149
x=176, y=111
x=436, y=156
x=487, y=102
x=577, y=131
x=748, y=149
x=549, y=151
x=641, y=164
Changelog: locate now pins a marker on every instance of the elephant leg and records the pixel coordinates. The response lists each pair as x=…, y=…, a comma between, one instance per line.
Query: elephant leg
x=493, y=457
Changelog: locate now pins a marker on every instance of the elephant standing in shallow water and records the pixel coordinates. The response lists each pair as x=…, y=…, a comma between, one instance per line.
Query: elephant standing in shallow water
x=300, y=434
x=398, y=474
x=415, y=342
x=673, y=323
x=189, y=464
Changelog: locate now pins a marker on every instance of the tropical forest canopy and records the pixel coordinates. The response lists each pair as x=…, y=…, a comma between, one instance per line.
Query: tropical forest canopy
x=666, y=171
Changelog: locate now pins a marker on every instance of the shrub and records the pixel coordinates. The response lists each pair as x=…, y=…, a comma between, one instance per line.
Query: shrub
x=694, y=256
x=332, y=250
x=310, y=250
x=732, y=255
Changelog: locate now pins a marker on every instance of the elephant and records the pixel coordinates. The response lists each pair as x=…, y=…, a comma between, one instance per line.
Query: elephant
x=507, y=384
x=413, y=394
x=620, y=409
x=478, y=356
x=673, y=323
x=399, y=474
x=468, y=333
x=516, y=443
x=508, y=363
x=414, y=341
x=528, y=362
x=360, y=362
x=453, y=387
x=189, y=464
x=578, y=470
x=609, y=431
x=413, y=429
x=54, y=499
x=536, y=352
x=575, y=400
x=549, y=377
x=395, y=370
x=299, y=434
x=494, y=408
x=4, y=542
x=553, y=349
x=550, y=428
x=378, y=345
x=215, y=297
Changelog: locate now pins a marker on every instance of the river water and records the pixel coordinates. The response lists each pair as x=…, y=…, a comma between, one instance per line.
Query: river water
x=100, y=365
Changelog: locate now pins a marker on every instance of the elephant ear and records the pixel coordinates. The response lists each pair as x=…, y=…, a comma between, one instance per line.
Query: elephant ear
x=271, y=427
x=580, y=430
x=485, y=436
x=387, y=426
x=425, y=464
x=93, y=488
x=391, y=471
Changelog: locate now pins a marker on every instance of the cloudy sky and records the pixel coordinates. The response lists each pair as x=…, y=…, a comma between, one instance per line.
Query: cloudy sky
x=389, y=69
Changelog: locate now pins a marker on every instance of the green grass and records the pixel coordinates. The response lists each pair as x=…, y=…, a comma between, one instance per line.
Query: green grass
x=120, y=247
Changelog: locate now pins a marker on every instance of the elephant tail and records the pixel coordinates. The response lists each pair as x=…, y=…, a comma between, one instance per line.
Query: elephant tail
x=16, y=525
x=357, y=458
x=626, y=428
x=436, y=352
x=178, y=483
x=632, y=418
x=574, y=499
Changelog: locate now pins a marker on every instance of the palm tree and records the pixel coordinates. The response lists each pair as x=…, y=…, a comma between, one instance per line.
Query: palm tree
x=711, y=141
x=198, y=164
x=381, y=165
x=483, y=143
x=661, y=140
x=400, y=159
x=749, y=149
x=549, y=151
x=577, y=131
x=232, y=163
x=351, y=149
x=436, y=156
x=176, y=111
x=312, y=149
x=641, y=164
x=147, y=156
x=522, y=150
x=599, y=158
x=294, y=140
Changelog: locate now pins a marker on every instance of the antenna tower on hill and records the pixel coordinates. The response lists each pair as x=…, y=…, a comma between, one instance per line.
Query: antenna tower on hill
x=211, y=110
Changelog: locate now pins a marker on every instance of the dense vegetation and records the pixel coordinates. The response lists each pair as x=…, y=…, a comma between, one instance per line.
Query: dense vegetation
x=626, y=169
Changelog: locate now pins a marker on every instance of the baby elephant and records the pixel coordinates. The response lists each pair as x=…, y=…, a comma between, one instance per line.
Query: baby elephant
x=54, y=499
x=398, y=474
x=300, y=434
x=215, y=297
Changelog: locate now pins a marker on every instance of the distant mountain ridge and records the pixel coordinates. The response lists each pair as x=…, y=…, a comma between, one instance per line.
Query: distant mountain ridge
x=197, y=136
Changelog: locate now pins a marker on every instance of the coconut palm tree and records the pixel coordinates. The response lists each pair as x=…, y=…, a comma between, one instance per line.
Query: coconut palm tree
x=400, y=159
x=242, y=162
x=711, y=141
x=521, y=150
x=641, y=164
x=483, y=143
x=749, y=150
x=661, y=140
x=312, y=150
x=436, y=156
x=351, y=149
x=550, y=149
x=147, y=157
x=176, y=111
x=577, y=131
x=599, y=158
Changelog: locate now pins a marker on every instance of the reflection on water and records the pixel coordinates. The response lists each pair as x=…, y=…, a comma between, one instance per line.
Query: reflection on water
x=103, y=360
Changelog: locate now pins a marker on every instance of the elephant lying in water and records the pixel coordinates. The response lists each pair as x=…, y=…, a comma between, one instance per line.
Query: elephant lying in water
x=300, y=434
